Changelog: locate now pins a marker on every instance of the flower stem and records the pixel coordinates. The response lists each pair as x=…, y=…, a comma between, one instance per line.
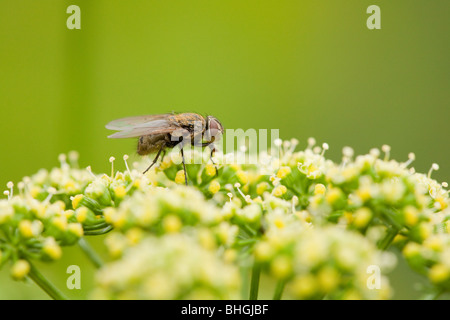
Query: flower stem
x=386, y=241
x=44, y=284
x=433, y=295
x=254, y=284
x=245, y=242
x=98, y=232
x=279, y=290
x=90, y=253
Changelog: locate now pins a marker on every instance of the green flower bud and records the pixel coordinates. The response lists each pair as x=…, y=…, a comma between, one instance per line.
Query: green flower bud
x=98, y=191
x=81, y=200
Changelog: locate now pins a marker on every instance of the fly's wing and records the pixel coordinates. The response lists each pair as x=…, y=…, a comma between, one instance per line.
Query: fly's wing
x=140, y=126
x=120, y=124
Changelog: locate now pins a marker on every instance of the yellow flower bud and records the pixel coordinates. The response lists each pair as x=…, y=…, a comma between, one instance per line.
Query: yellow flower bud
x=119, y=219
x=362, y=217
x=279, y=190
x=137, y=183
x=281, y=267
x=52, y=249
x=352, y=295
x=134, y=235
x=328, y=278
x=442, y=203
x=333, y=195
x=399, y=238
x=108, y=213
x=425, y=230
x=434, y=242
x=348, y=216
x=76, y=201
x=81, y=214
x=411, y=215
x=76, y=229
x=364, y=193
x=166, y=163
x=20, y=269
x=447, y=226
x=206, y=239
x=242, y=176
x=263, y=251
x=116, y=244
x=411, y=249
x=214, y=187
x=60, y=204
x=304, y=286
x=69, y=213
x=60, y=223
x=172, y=223
x=278, y=222
x=34, y=192
x=120, y=191
x=25, y=228
x=283, y=172
x=6, y=212
x=261, y=187
x=69, y=185
x=230, y=255
x=439, y=273
x=319, y=189
x=210, y=170
x=180, y=177
x=40, y=210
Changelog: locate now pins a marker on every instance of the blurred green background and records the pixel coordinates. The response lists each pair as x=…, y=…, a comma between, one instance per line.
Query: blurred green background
x=308, y=68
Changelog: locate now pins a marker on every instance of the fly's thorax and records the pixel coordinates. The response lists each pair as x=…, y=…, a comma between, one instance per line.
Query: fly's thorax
x=188, y=120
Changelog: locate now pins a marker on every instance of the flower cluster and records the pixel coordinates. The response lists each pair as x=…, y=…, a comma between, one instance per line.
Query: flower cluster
x=328, y=262
x=56, y=208
x=160, y=211
x=384, y=200
x=173, y=266
x=313, y=226
x=163, y=210
x=37, y=221
x=60, y=183
x=431, y=258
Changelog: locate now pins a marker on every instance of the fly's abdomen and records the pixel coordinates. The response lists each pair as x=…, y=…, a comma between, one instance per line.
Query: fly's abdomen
x=151, y=143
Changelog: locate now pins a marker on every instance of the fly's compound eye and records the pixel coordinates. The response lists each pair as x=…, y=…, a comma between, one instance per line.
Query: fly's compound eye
x=214, y=127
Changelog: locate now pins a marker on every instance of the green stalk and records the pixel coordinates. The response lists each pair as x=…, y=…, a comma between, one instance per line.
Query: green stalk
x=254, y=285
x=44, y=284
x=279, y=290
x=245, y=242
x=433, y=295
x=98, y=232
x=386, y=241
x=90, y=253
x=244, y=271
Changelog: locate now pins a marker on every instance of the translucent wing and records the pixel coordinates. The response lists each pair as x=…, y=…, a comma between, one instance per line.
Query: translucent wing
x=120, y=124
x=141, y=125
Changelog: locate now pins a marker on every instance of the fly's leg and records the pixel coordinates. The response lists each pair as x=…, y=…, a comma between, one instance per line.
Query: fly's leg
x=184, y=166
x=156, y=159
x=163, y=155
x=213, y=149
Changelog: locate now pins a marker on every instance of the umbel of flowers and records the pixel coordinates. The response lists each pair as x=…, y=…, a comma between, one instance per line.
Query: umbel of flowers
x=313, y=227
